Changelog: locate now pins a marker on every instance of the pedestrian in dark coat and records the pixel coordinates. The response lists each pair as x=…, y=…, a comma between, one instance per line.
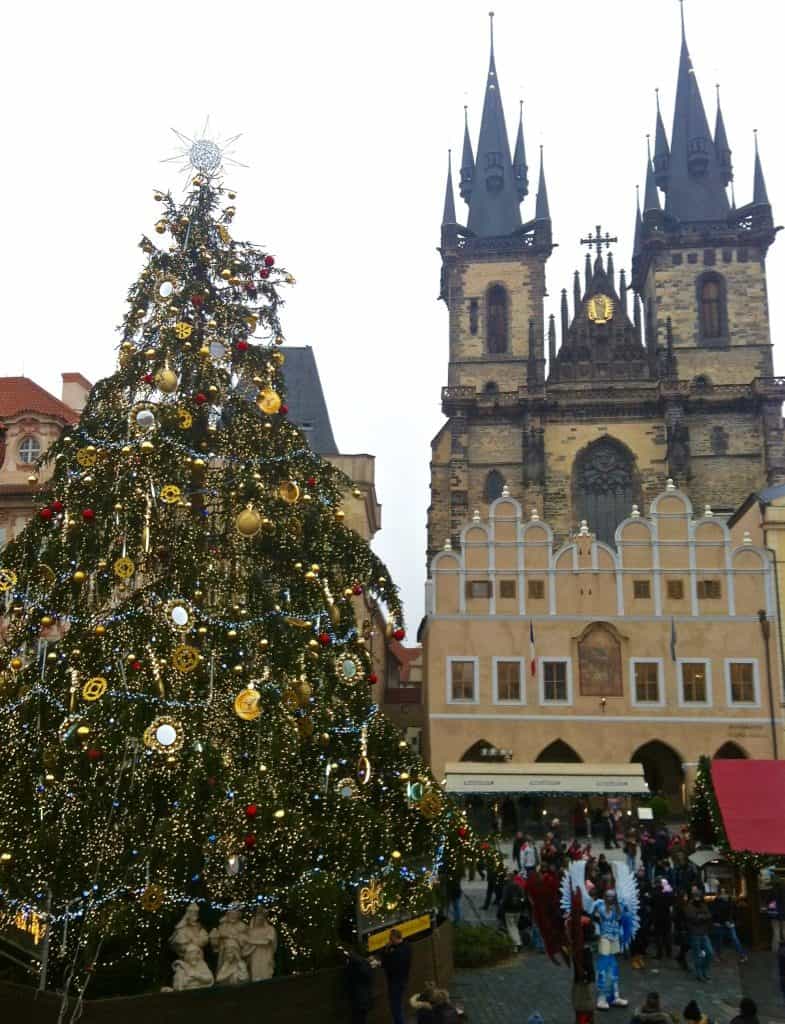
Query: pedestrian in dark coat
x=396, y=960
x=748, y=1012
x=359, y=981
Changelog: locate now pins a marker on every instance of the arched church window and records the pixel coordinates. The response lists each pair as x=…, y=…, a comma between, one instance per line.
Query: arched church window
x=494, y=485
x=497, y=318
x=491, y=388
x=605, y=486
x=711, y=306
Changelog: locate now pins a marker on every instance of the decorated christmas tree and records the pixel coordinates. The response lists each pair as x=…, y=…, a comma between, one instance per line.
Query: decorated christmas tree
x=186, y=703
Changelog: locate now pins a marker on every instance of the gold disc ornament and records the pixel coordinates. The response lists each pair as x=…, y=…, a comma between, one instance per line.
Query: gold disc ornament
x=8, y=580
x=86, y=457
x=269, y=401
x=170, y=493
x=124, y=568
x=184, y=419
x=152, y=899
x=288, y=491
x=430, y=805
x=248, y=522
x=185, y=658
x=94, y=688
x=182, y=330
x=246, y=704
x=166, y=380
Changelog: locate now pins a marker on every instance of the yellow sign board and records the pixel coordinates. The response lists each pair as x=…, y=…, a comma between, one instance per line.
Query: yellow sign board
x=411, y=927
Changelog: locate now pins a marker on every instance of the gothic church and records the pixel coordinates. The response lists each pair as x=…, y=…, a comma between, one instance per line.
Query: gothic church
x=667, y=375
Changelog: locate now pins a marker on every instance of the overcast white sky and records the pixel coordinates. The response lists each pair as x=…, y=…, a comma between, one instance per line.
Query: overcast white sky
x=347, y=111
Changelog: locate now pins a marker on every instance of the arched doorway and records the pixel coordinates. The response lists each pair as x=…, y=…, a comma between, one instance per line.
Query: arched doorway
x=559, y=752
x=730, y=751
x=604, y=486
x=663, y=769
x=488, y=814
x=483, y=751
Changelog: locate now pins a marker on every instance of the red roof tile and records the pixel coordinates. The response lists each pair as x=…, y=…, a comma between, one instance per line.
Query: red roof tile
x=20, y=394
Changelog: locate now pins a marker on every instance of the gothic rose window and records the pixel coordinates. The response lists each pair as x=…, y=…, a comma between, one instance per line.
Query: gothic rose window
x=497, y=319
x=604, y=486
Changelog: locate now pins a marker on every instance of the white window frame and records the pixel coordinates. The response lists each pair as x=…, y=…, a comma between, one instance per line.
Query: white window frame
x=709, y=691
x=21, y=442
x=463, y=700
x=755, y=682
x=660, y=702
x=522, y=663
x=541, y=675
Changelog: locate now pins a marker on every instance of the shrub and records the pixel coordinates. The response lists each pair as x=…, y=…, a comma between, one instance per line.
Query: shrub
x=480, y=946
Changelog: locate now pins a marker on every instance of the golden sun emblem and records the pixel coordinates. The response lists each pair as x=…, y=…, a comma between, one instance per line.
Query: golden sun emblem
x=170, y=493
x=371, y=898
x=599, y=308
x=183, y=330
x=185, y=658
x=124, y=568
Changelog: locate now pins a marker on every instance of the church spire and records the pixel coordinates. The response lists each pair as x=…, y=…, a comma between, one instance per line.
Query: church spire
x=520, y=170
x=448, y=217
x=662, y=153
x=760, y=196
x=542, y=210
x=636, y=245
x=721, y=147
x=651, y=197
x=494, y=204
x=467, y=160
x=695, y=187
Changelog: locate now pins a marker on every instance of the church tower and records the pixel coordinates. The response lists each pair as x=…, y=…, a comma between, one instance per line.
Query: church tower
x=699, y=269
x=493, y=283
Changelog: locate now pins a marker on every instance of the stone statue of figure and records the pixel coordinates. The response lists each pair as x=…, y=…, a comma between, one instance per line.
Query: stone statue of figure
x=189, y=933
x=191, y=971
x=230, y=941
x=262, y=942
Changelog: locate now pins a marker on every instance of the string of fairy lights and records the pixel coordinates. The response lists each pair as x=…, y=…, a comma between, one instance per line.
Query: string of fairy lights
x=186, y=694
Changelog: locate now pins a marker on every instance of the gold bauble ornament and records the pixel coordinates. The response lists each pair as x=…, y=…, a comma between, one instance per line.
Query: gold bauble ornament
x=288, y=491
x=46, y=620
x=204, y=351
x=248, y=522
x=147, y=446
x=246, y=704
x=166, y=380
x=16, y=664
x=269, y=401
x=99, y=629
x=79, y=576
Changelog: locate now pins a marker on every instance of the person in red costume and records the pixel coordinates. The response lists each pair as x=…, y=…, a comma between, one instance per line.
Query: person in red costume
x=543, y=890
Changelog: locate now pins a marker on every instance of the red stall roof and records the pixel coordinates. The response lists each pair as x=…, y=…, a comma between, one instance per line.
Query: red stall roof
x=751, y=795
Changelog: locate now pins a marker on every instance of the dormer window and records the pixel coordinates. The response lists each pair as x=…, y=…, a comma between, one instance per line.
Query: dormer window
x=29, y=449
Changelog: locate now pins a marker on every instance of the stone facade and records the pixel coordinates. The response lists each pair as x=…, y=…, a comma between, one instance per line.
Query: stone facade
x=658, y=649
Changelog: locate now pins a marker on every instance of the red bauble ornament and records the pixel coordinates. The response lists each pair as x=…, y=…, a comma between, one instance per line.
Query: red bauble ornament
x=399, y=634
x=93, y=753
x=148, y=378
x=311, y=481
x=264, y=272
x=485, y=846
x=357, y=589
x=283, y=410
x=197, y=300
x=200, y=399
x=88, y=515
x=269, y=261
x=57, y=507
x=373, y=678
x=250, y=841
x=242, y=346
x=462, y=832
x=45, y=514
x=324, y=639
x=136, y=666
x=251, y=810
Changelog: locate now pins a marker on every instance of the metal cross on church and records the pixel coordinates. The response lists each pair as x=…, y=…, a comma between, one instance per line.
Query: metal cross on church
x=599, y=240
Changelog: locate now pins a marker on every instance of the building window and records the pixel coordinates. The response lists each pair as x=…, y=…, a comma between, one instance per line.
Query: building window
x=709, y=590
x=641, y=589
x=535, y=589
x=555, y=681
x=479, y=588
x=646, y=682
x=675, y=590
x=719, y=440
x=494, y=485
x=507, y=588
x=709, y=257
x=605, y=486
x=509, y=680
x=29, y=449
x=461, y=680
x=711, y=303
x=676, y=259
x=742, y=680
x=497, y=319
x=474, y=315
x=695, y=682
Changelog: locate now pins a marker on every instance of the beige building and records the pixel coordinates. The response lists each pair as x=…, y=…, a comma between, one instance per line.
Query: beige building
x=656, y=650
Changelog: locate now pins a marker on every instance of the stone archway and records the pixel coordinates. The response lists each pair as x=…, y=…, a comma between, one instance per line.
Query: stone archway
x=559, y=752
x=663, y=769
x=730, y=751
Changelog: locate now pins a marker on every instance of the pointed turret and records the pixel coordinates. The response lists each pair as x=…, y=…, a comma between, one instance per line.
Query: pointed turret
x=652, y=211
x=760, y=196
x=565, y=315
x=636, y=316
x=519, y=168
x=636, y=245
x=467, y=160
x=623, y=290
x=695, y=186
x=576, y=293
x=662, y=153
x=448, y=217
x=587, y=274
x=610, y=272
x=494, y=205
x=542, y=210
x=721, y=147
x=551, y=340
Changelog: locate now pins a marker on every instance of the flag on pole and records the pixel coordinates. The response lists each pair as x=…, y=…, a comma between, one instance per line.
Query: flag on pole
x=673, y=639
x=532, y=652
